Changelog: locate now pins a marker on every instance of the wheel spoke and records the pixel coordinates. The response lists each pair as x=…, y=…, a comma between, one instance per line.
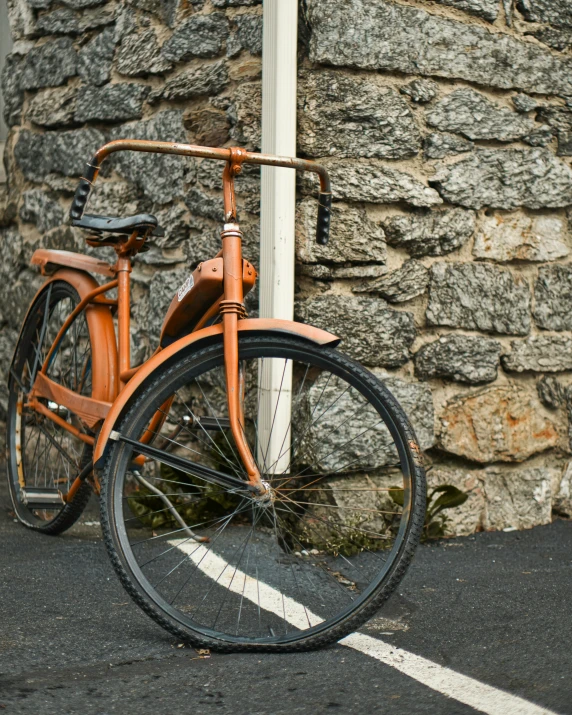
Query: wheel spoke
x=316, y=547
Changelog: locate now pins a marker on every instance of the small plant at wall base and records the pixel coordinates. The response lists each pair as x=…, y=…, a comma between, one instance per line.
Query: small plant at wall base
x=443, y=497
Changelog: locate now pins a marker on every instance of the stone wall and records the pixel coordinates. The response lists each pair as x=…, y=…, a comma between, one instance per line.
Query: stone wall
x=447, y=126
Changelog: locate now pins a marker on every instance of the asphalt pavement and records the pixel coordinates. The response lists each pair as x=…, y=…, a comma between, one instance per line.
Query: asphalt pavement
x=494, y=606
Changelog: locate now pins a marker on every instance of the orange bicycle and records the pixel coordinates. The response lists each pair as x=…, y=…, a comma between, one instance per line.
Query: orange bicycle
x=258, y=489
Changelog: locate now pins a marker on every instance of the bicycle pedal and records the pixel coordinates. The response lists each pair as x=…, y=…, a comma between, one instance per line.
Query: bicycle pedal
x=39, y=498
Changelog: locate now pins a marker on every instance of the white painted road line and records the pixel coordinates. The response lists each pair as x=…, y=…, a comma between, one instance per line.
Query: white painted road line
x=479, y=696
x=469, y=691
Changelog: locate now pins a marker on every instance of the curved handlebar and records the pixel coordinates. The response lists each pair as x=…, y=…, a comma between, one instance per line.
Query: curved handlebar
x=246, y=157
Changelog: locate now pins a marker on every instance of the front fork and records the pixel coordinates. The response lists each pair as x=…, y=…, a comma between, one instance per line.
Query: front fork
x=232, y=310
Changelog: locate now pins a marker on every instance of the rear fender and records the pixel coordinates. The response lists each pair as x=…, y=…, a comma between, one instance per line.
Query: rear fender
x=195, y=341
x=101, y=330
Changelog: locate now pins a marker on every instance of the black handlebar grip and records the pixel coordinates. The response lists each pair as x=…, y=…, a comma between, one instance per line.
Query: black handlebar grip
x=324, y=212
x=80, y=199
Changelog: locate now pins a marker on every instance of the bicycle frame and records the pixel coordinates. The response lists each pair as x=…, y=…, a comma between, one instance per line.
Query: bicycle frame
x=114, y=380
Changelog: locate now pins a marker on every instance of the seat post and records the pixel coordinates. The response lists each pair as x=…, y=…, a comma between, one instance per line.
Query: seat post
x=123, y=267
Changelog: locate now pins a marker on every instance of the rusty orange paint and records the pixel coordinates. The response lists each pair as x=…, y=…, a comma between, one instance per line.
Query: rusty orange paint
x=50, y=261
x=246, y=157
x=102, y=334
x=43, y=410
x=194, y=302
x=124, y=315
x=89, y=298
x=89, y=410
x=213, y=332
x=114, y=381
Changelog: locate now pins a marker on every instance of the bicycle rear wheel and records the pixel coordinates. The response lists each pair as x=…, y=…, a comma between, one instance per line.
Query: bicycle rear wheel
x=43, y=457
x=299, y=570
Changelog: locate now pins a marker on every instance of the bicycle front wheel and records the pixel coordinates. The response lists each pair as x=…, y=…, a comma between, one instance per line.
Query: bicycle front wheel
x=304, y=568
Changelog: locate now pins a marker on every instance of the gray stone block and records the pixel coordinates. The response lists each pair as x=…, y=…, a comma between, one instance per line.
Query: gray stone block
x=400, y=285
x=478, y=297
x=12, y=92
x=420, y=90
x=564, y=143
x=81, y=4
x=553, y=298
x=332, y=272
x=8, y=340
x=381, y=35
x=562, y=491
x=550, y=392
x=7, y=206
x=371, y=332
x=165, y=10
x=110, y=103
x=204, y=204
x=523, y=238
x=176, y=221
x=506, y=179
x=541, y=137
x=205, y=243
x=353, y=116
x=112, y=198
x=11, y=258
x=64, y=21
x=95, y=58
x=523, y=103
x=375, y=182
x=244, y=112
x=433, y=233
x=16, y=293
x=560, y=120
x=160, y=177
x=38, y=155
x=139, y=54
x=56, y=22
x=560, y=39
x=48, y=65
x=199, y=36
x=209, y=174
x=438, y=146
x=194, y=82
x=540, y=353
x=53, y=107
x=462, y=358
x=38, y=208
x=363, y=443
x=520, y=498
x=551, y=12
x=470, y=113
x=235, y=3
x=487, y=9
x=207, y=125
x=21, y=19
x=150, y=311
x=353, y=237
x=416, y=400
x=247, y=36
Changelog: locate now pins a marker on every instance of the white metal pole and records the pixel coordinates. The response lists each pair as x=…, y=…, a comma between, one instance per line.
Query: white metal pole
x=277, y=211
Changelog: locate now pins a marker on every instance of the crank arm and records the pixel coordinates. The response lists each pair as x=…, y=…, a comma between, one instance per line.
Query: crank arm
x=185, y=465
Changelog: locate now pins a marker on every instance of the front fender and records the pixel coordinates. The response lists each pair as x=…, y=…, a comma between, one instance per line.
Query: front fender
x=197, y=340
